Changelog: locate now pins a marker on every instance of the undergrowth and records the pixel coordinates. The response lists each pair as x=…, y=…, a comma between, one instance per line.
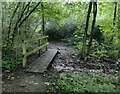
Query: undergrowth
x=10, y=60
x=87, y=82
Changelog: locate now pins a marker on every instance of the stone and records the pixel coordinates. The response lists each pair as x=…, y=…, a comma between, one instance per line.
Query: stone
x=58, y=48
x=58, y=52
x=66, y=49
x=36, y=83
x=47, y=83
x=22, y=85
x=78, y=61
x=71, y=61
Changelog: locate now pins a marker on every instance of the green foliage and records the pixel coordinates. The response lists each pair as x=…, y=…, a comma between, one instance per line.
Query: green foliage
x=113, y=54
x=86, y=82
x=9, y=59
x=106, y=42
x=53, y=34
x=62, y=21
x=65, y=31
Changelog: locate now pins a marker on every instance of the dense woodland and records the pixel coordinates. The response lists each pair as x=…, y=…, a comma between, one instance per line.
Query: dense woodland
x=92, y=29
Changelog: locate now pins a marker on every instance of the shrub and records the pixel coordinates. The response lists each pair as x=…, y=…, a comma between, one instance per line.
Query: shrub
x=53, y=34
x=65, y=31
x=9, y=60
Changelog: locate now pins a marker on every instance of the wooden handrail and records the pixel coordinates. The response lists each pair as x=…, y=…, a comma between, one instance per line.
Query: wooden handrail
x=25, y=53
x=36, y=49
x=38, y=38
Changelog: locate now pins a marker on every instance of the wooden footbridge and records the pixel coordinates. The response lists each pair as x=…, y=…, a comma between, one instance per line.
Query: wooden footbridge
x=40, y=65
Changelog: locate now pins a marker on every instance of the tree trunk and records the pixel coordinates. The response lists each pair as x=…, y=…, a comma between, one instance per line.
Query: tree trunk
x=2, y=16
x=1, y=26
x=13, y=33
x=85, y=33
x=19, y=19
x=22, y=15
x=1, y=44
x=11, y=19
x=115, y=11
x=114, y=20
x=118, y=23
x=93, y=25
x=118, y=26
x=43, y=26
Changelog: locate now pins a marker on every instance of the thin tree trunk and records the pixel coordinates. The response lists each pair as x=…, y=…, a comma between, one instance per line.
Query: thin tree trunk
x=114, y=20
x=21, y=15
x=93, y=25
x=43, y=26
x=118, y=23
x=118, y=26
x=85, y=33
x=1, y=26
x=11, y=19
x=2, y=17
x=1, y=45
x=10, y=32
x=13, y=34
x=39, y=41
x=27, y=15
x=115, y=12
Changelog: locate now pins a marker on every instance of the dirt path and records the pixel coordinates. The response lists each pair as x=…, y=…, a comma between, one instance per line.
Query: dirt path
x=19, y=81
x=64, y=58
x=64, y=61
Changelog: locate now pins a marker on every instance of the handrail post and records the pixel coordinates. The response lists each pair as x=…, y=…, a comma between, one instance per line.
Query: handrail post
x=46, y=42
x=24, y=52
x=39, y=43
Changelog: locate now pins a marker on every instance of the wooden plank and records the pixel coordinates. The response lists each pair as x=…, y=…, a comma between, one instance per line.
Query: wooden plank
x=41, y=64
x=35, y=66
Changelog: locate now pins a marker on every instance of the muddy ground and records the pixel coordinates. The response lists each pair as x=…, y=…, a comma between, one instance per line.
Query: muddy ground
x=19, y=81
x=65, y=60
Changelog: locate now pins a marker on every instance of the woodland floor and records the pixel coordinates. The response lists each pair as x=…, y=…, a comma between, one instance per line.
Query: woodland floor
x=65, y=60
